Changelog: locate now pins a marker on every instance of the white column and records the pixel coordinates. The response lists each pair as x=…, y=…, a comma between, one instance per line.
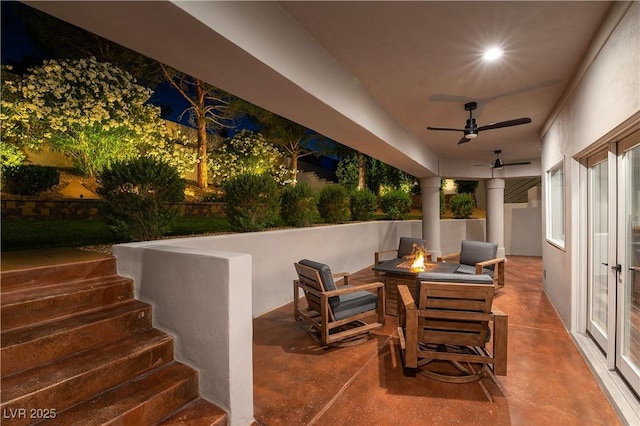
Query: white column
x=495, y=213
x=430, y=189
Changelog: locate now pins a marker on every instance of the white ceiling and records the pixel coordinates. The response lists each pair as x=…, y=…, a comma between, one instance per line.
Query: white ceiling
x=422, y=61
x=409, y=64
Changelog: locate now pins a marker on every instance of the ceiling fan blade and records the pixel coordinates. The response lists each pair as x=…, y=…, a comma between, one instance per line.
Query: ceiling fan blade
x=463, y=140
x=445, y=128
x=508, y=123
x=521, y=163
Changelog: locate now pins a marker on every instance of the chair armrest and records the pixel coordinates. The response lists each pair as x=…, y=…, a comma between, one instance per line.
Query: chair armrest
x=343, y=275
x=497, y=312
x=376, y=255
x=406, y=298
x=500, y=341
x=490, y=262
x=352, y=289
x=446, y=257
x=498, y=273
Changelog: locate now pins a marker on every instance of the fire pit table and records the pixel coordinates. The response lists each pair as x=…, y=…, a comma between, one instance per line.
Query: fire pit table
x=400, y=272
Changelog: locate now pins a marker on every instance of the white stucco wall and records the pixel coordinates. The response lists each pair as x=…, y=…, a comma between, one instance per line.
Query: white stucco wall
x=522, y=229
x=205, y=291
x=203, y=299
x=605, y=97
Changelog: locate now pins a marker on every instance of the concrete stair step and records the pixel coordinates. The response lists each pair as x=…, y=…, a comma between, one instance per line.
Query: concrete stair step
x=76, y=346
x=60, y=273
x=197, y=413
x=33, y=305
x=81, y=376
x=143, y=401
x=26, y=348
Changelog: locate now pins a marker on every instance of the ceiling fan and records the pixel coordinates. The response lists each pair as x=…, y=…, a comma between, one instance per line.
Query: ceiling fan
x=498, y=164
x=471, y=129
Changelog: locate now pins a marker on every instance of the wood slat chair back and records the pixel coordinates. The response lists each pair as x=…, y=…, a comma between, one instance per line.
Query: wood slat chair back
x=455, y=314
x=450, y=322
x=310, y=278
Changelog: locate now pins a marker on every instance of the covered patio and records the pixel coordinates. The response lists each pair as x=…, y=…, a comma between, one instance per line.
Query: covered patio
x=548, y=382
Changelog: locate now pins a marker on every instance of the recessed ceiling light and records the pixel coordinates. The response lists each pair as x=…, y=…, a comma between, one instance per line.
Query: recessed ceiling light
x=492, y=54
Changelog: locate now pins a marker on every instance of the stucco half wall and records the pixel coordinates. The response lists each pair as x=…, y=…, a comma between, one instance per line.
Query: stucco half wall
x=206, y=290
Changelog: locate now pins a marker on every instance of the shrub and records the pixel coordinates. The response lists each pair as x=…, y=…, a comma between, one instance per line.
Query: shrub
x=252, y=202
x=461, y=205
x=30, y=180
x=333, y=204
x=363, y=204
x=396, y=204
x=299, y=205
x=137, y=198
x=466, y=186
x=10, y=156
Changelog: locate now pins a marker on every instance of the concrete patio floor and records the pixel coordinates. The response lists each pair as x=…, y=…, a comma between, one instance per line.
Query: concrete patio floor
x=547, y=383
x=296, y=382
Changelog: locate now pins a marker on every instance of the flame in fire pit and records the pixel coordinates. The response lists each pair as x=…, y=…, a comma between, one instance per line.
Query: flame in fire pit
x=418, y=257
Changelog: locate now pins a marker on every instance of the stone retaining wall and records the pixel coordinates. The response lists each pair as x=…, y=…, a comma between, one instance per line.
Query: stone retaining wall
x=83, y=209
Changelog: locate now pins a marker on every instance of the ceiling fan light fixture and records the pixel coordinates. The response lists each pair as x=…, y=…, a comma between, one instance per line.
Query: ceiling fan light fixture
x=471, y=135
x=492, y=54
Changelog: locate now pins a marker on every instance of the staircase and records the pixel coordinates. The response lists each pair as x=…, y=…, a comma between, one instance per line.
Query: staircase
x=317, y=177
x=78, y=349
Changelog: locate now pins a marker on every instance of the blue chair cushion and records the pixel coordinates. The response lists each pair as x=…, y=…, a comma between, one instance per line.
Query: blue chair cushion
x=405, y=248
x=326, y=277
x=472, y=252
x=355, y=303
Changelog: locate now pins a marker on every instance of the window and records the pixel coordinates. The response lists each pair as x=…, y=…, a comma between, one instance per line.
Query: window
x=555, y=205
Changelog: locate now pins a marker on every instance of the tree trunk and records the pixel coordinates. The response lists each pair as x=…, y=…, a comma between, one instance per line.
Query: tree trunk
x=201, y=124
x=294, y=168
x=361, y=171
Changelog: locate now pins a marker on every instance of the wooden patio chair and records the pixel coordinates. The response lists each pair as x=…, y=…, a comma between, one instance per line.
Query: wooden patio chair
x=335, y=315
x=448, y=323
x=479, y=257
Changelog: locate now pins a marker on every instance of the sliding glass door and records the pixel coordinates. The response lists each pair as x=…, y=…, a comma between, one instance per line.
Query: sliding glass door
x=599, y=273
x=613, y=302
x=628, y=358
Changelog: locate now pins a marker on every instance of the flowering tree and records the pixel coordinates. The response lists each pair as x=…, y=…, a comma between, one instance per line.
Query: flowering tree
x=10, y=154
x=246, y=153
x=91, y=111
x=208, y=109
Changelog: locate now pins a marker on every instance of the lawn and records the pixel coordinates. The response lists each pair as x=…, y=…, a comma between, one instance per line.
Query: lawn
x=32, y=234
x=39, y=234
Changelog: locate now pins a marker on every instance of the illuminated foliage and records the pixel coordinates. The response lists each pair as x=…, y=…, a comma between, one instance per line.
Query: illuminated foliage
x=246, y=153
x=91, y=111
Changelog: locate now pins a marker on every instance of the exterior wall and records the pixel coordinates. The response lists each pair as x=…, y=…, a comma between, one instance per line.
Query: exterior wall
x=523, y=229
x=606, y=97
